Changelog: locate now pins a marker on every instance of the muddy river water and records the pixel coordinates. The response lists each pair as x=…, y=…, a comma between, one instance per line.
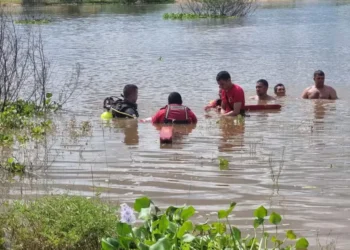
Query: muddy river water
x=295, y=161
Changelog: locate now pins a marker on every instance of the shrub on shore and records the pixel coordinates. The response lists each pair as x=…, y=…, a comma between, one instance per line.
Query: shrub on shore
x=192, y=9
x=56, y=222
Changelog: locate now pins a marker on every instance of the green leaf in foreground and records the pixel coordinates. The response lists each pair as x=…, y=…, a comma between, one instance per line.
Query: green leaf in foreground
x=187, y=212
x=276, y=241
x=258, y=222
x=218, y=227
x=143, y=202
x=143, y=246
x=302, y=243
x=204, y=227
x=260, y=212
x=145, y=213
x=188, y=238
x=290, y=235
x=236, y=233
x=275, y=218
x=163, y=223
x=109, y=244
x=123, y=229
x=186, y=227
x=225, y=213
x=162, y=244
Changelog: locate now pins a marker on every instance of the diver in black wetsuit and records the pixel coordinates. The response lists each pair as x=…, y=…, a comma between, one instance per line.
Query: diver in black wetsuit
x=124, y=108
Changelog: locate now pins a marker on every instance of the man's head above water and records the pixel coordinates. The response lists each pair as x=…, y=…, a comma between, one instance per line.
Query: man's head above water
x=261, y=87
x=223, y=79
x=319, y=78
x=130, y=93
x=280, y=89
x=174, y=98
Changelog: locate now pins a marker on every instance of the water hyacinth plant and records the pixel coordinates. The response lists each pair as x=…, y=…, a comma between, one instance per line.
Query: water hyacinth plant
x=173, y=229
x=127, y=214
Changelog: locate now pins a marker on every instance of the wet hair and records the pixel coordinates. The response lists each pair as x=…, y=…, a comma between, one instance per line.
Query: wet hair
x=318, y=73
x=129, y=89
x=263, y=82
x=174, y=98
x=223, y=75
x=278, y=85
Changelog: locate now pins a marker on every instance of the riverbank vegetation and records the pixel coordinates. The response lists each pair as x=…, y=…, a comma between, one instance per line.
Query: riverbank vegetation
x=56, y=222
x=33, y=21
x=174, y=229
x=69, y=222
x=55, y=2
x=26, y=103
x=195, y=9
x=184, y=16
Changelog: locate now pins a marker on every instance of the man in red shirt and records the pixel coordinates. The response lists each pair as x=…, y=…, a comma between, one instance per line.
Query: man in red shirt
x=174, y=112
x=232, y=95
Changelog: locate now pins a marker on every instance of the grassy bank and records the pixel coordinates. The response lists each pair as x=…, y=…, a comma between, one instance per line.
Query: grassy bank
x=72, y=222
x=11, y=2
x=56, y=222
x=56, y=2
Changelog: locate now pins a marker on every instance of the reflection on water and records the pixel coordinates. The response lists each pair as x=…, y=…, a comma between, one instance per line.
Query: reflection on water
x=321, y=106
x=180, y=133
x=321, y=109
x=232, y=135
x=129, y=127
x=295, y=160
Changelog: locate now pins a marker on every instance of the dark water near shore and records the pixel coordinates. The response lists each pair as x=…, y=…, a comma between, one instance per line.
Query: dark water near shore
x=295, y=161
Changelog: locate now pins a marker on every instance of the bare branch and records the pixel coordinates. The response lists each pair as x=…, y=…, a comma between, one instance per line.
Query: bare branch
x=238, y=8
x=24, y=68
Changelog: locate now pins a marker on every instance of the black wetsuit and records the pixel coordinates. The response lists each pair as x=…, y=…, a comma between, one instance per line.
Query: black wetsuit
x=123, y=109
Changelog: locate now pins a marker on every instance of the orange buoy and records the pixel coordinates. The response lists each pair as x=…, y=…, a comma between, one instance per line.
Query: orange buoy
x=166, y=135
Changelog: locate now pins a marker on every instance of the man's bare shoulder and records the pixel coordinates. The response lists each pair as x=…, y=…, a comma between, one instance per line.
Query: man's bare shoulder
x=255, y=97
x=329, y=88
x=332, y=93
x=309, y=88
x=307, y=92
x=271, y=98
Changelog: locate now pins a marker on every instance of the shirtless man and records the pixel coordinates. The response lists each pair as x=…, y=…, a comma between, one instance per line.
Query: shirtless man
x=319, y=90
x=261, y=91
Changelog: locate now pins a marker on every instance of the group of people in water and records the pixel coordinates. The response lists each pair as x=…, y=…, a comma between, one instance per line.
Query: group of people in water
x=231, y=101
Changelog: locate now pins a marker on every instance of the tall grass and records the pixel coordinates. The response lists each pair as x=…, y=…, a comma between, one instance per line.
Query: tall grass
x=56, y=222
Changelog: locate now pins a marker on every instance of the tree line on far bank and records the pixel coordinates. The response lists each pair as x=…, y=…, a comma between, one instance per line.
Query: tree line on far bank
x=189, y=8
x=52, y=2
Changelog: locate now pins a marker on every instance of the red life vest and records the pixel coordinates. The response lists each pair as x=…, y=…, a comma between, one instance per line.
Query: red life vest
x=177, y=114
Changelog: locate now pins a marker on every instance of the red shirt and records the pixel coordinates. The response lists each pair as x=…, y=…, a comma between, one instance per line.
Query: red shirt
x=159, y=117
x=235, y=94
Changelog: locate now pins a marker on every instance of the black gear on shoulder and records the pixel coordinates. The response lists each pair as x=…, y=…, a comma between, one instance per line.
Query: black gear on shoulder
x=120, y=108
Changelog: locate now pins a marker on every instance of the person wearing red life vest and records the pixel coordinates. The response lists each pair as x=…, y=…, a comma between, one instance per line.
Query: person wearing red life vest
x=174, y=112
